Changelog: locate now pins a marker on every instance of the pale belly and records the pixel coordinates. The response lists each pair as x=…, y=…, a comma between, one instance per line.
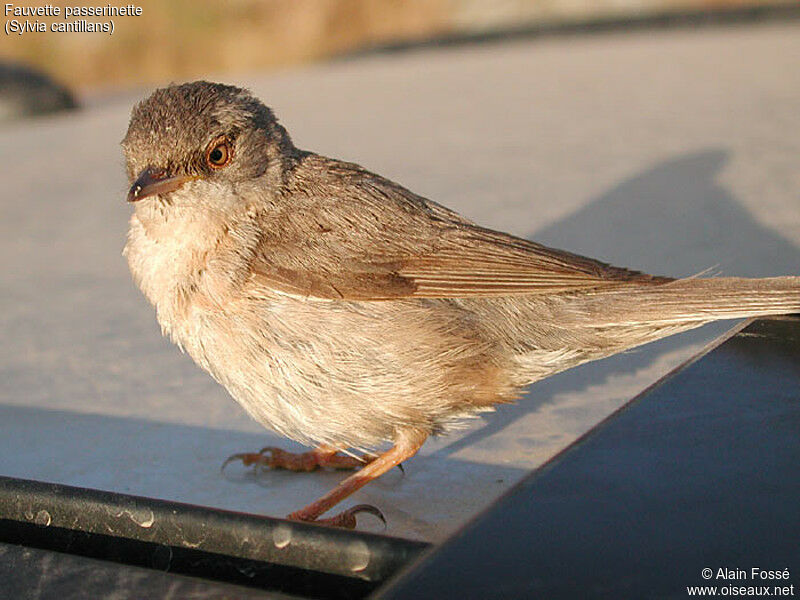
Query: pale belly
x=345, y=374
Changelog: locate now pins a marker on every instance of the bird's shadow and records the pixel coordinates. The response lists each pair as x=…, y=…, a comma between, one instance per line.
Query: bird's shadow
x=673, y=219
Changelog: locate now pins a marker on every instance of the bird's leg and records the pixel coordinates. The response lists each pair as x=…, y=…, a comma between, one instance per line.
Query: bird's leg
x=324, y=456
x=407, y=443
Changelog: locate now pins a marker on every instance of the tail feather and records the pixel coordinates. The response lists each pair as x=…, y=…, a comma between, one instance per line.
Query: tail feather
x=693, y=300
x=584, y=327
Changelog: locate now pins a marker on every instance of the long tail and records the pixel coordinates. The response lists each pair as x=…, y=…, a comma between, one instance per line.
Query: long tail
x=699, y=300
x=585, y=327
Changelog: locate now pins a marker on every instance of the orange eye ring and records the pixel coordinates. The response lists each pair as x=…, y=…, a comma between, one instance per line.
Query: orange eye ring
x=219, y=153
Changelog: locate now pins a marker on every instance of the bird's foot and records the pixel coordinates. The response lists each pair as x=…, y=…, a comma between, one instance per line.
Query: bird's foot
x=406, y=445
x=275, y=458
x=345, y=519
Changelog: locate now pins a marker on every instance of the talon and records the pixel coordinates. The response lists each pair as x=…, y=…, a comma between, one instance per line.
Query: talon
x=247, y=458
x=369, y=509
x=345, y=519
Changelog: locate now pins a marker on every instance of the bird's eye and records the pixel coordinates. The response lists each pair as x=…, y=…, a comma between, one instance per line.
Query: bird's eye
x=219, y=153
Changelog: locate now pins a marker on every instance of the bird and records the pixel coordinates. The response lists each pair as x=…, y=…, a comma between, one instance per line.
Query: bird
x=349, y=314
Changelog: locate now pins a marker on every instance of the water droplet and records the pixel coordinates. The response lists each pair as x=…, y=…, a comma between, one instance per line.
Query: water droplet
x=143, y=517
x=357, y=556
x=43, y=518
x=282, y=536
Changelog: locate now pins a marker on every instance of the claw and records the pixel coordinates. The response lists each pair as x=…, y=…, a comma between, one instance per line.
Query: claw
x=345, y=519
x=246, y=458
x=369, y=509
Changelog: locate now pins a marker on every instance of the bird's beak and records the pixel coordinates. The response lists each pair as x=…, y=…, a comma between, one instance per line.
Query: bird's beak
x=152, y=182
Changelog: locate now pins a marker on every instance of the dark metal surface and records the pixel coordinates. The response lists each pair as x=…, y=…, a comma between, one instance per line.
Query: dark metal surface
x=29, y=573
x=701, y=471
x=272, y=554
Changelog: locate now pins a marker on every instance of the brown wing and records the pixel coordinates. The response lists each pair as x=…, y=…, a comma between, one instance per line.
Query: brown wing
x=343, y=233
x=481, y=262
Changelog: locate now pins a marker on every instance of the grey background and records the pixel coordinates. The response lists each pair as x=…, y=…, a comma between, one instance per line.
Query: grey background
x=668, y=151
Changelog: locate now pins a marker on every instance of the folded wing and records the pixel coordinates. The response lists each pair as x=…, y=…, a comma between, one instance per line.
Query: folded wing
x=365, y=238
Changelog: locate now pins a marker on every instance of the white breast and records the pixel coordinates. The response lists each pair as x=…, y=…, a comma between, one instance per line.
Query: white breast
x=168, y=254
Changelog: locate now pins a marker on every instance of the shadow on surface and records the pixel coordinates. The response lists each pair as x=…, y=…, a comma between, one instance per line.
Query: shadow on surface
x=182, y=463
x=677, y=220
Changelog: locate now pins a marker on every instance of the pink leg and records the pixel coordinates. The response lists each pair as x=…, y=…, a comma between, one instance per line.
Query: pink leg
x=407, y=443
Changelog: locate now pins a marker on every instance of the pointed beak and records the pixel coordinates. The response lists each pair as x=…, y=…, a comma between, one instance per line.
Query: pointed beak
x=152, y=182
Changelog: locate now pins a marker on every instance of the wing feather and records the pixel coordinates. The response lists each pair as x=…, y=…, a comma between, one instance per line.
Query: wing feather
x=345, y=233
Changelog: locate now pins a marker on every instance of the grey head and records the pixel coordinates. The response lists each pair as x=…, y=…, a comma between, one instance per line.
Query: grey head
x=201, y=131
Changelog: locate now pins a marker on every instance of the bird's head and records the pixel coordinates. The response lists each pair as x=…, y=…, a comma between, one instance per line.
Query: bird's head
x=204, y=133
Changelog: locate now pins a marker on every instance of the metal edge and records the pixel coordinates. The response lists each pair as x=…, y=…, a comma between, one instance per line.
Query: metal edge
x=365, y=556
